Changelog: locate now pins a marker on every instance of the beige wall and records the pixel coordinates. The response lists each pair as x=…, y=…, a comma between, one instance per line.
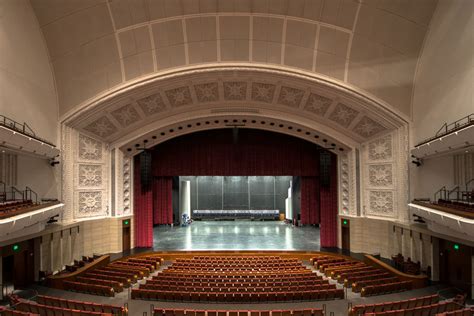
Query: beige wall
x=38, y=174
x=27, y=92
x=445, y=76
x=433, y=174
x=95, y=46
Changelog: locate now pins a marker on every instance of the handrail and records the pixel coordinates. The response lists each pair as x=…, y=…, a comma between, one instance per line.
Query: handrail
x=28, y=195
x=14, y=192
x=469, y=182
x=440, y=191
x=451, y=127
x=24, y=128
x=455, y=189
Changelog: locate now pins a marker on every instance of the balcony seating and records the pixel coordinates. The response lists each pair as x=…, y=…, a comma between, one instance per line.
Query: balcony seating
x=395, y=305
x=191, y=312
x=82, y=306
x=89, y=288
x=433, y=309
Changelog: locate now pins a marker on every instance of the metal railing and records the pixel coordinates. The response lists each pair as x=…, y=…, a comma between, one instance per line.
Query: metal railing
x=442, y=194
x=454, y=190
x=22, y=128
x=30, y=195
x=15, y=194
x=450, y=128
x=468, y=183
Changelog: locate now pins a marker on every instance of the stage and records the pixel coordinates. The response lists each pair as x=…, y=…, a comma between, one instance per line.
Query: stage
x=236, y=235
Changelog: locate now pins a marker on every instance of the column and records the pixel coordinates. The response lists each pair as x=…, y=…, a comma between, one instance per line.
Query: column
x=185, y=199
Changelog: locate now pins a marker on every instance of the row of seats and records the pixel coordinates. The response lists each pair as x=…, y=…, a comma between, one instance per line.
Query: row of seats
x=238, y=289
x=395, y=305
x=89, y=288
x=250, y=276
x=385, y=288
x=191, y=312
x=351, y=273
x=428, y=310
x=241, y=259
x=327, y=294
x=82, y=306
x=110, y=279
x=237, y=283
x=13, y=208
x=35, y=308
x=117, y=286
x=461, y=312
x=9, y=312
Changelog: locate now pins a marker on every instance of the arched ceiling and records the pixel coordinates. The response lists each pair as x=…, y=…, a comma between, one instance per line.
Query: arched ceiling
x=97, y=46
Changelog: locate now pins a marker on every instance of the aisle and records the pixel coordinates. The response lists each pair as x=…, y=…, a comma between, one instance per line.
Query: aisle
x=236, y=235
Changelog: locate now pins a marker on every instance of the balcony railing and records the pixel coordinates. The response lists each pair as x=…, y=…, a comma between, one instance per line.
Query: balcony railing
x=450, y=128
x=22, y=128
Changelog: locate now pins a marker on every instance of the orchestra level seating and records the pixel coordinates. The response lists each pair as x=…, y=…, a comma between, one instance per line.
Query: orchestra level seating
x=237, y=279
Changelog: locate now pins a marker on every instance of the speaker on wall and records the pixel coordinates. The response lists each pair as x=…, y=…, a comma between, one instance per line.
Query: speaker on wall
x=325, y=169
x=145, y=170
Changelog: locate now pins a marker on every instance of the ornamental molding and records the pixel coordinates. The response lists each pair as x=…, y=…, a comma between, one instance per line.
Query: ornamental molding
x=116, y=115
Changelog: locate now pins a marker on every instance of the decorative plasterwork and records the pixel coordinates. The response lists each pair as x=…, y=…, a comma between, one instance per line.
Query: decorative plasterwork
x=344, y=186
x=236, y=90
x=381, y=149
x=85, y=180
x=89, y=148
x=343, y=115
x=179, y=96
x=126, y=115
x=381, y=203
x=152, y=104
x=90, y=175
x=263, y=92
x=318, y=104
x=89, y=203
x=290, y=96
x=127, y=186
x=255, y=89
x=380, y=175
x=101, y=127
x=207, y=92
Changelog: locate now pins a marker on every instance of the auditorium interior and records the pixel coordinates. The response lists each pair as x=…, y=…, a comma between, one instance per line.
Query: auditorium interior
x=237, y=157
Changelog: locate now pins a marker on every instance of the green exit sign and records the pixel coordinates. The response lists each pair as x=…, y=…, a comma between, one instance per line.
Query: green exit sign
x=456, y=247
x=16, y=247
x=344, y=222
x=126, y=222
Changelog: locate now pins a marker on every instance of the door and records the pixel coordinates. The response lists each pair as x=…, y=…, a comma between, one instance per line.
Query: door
x=345, y=235
x=126, y=239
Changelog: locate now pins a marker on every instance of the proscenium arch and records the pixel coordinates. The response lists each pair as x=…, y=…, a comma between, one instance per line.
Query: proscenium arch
x=364, y=107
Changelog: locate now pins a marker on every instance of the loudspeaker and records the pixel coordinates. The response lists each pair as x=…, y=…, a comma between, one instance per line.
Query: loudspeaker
x=145, y=170
x=324, y=169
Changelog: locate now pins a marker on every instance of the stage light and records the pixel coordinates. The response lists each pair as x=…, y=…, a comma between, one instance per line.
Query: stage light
x=456, y=247
x=16, y=247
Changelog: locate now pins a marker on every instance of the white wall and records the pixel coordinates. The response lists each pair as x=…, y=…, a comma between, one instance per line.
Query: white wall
x=443, y=88
x=27, y=92
x=37, y=174
x=431, y=176
x=445, y=75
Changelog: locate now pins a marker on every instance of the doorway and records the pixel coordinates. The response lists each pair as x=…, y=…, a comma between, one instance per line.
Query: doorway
x=126, y=235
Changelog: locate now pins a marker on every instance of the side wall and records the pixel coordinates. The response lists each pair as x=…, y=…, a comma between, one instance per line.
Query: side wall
x=27, y=91
x=445, y=75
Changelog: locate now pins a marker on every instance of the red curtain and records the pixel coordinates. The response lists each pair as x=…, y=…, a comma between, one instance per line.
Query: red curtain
x=256, y=153
x=309, y=200
x=143, y=209
x=328, y=202
x=162, y=200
